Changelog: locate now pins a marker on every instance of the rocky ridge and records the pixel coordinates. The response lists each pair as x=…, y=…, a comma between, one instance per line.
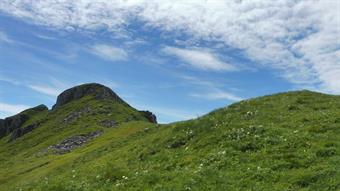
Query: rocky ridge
x=13, y=123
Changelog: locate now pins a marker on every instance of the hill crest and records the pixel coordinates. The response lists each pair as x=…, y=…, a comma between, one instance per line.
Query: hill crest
x=98, y=91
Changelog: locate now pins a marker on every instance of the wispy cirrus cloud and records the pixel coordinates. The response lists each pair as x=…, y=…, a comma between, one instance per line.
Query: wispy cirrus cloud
x=199, y=58
x=217, y=95
x=11, y=109
x=4, y=37
x=9, y=80
x=48, y=90
x=211, y=91
x=53, y=87
x=109, y=52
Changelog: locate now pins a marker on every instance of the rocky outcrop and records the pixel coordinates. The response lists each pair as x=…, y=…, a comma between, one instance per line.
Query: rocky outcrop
x=75, y=115
x=110, y=123
x=9, y=124
x=22, y=131
x=150, y=116
x=98, y=91
x=73, y=142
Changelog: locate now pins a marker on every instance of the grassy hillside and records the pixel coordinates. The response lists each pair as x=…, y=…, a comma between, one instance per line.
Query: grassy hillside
x=288, y=141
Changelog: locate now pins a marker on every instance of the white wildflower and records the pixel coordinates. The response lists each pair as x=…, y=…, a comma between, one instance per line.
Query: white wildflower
x=125, y=177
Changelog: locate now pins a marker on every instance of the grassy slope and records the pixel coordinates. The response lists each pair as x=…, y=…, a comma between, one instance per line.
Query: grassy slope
x=287, y=141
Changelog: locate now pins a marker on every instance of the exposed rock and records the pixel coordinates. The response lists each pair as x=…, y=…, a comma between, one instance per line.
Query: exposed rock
x=108, y=123
x=22, y=131
x=150, y=116
x=9, y=124
x=99, y=92
x=73, y=116
x=73, y=142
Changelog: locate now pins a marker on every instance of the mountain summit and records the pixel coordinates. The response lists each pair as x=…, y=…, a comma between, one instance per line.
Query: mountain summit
x=98, y=91
x=91, y=97
x=93, y=140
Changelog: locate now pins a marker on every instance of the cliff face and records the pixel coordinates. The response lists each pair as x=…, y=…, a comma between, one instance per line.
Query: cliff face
x=10, y=124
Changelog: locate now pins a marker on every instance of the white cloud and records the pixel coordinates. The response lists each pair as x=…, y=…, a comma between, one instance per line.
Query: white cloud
x=4, y=37
x=211, y=91
x=298, y=38
x=52, y=91
x=216, y=95
x=201, y=59
x=108, y=52
x=53, y=88
x=12, y=109
x=45, y=37
x=9, y=80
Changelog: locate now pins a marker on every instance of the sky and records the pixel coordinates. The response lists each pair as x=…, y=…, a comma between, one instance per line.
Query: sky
x=177, y=58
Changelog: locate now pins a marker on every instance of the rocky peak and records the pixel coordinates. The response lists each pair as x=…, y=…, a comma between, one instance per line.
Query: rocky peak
x=99, y=92
x=9, y=124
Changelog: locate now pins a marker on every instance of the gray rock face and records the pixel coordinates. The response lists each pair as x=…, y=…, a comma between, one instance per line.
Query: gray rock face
x=74, y=116
x=99, y=91
x=22, y=131
x=150, y=116
x=108, y=123
x=9, y=124
x=73, y=142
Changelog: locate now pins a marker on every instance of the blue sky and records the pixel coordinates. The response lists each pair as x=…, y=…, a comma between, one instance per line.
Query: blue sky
x=178, y=59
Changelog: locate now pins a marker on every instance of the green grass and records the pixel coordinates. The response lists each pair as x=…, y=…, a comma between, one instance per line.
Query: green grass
x=288, y=141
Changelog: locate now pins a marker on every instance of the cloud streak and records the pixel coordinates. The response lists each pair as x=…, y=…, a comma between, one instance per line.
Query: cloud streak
x=201, y=59
x=51, y=91
x=211, y=90
x=12, y=109
x=109, y=52
x=217, y=95
x=4, y=37
x=53, y=88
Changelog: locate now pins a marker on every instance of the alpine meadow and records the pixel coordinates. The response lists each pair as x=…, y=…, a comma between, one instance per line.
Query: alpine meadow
x=169, y=95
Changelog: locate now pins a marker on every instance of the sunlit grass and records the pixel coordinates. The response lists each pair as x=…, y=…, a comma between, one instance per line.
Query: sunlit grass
x=287, y=141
